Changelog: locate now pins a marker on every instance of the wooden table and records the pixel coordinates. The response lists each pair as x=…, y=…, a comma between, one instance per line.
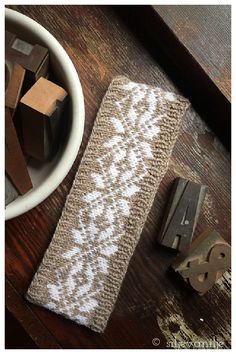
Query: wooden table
x=208, y=43
x=152, y=303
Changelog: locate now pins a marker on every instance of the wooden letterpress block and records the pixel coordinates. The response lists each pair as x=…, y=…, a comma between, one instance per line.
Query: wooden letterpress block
x=182, y=214
x=15, y=164
x=8, y=70
x=33, y=58
x=9, y=39
x=10, y=191
x=14, y=86
x=204, y=262
x=41, y=111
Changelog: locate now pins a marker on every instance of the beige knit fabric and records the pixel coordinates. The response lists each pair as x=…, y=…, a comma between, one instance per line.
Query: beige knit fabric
x=127, y=156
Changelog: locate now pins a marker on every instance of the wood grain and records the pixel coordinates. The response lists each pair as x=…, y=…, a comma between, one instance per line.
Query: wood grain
x=151, y=303
x=205, y=31
x=16, y=331
x=20, y=309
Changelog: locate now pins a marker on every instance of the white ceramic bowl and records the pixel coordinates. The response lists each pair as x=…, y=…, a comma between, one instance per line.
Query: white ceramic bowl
x=46, y=177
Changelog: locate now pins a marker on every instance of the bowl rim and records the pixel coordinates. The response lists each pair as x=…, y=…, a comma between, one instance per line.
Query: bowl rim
x=42, y=191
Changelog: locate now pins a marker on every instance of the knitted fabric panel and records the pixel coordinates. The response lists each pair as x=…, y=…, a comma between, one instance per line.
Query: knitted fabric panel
x=126, y=158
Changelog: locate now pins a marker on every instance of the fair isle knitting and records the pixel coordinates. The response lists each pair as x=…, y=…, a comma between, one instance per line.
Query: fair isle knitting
x=127, y=156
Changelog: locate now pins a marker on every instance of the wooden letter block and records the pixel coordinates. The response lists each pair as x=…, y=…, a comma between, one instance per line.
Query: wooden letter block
x=10, y=191
x=9, y=39
x=15, y=164
x=14, y=86
x=182, y=214
x=204, y=262
x=33, y=58
x=41, y=111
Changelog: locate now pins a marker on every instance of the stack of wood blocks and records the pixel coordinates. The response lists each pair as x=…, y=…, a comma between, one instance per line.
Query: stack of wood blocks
x=34, y=108
x=203, y=261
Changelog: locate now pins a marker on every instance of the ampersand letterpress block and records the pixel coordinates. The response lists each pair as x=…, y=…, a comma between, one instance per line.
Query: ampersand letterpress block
x=41, y=112
x=15, y=164
x=33, y=58
x=204, y=262
x=182, y=214
x=15, y=78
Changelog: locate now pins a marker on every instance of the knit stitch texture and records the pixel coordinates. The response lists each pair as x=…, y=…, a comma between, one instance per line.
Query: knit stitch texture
x=126, y=158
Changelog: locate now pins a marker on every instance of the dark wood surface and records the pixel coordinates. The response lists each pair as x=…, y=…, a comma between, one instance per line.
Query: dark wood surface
x=16, y=331
x=205, y=32
x=152, y=303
